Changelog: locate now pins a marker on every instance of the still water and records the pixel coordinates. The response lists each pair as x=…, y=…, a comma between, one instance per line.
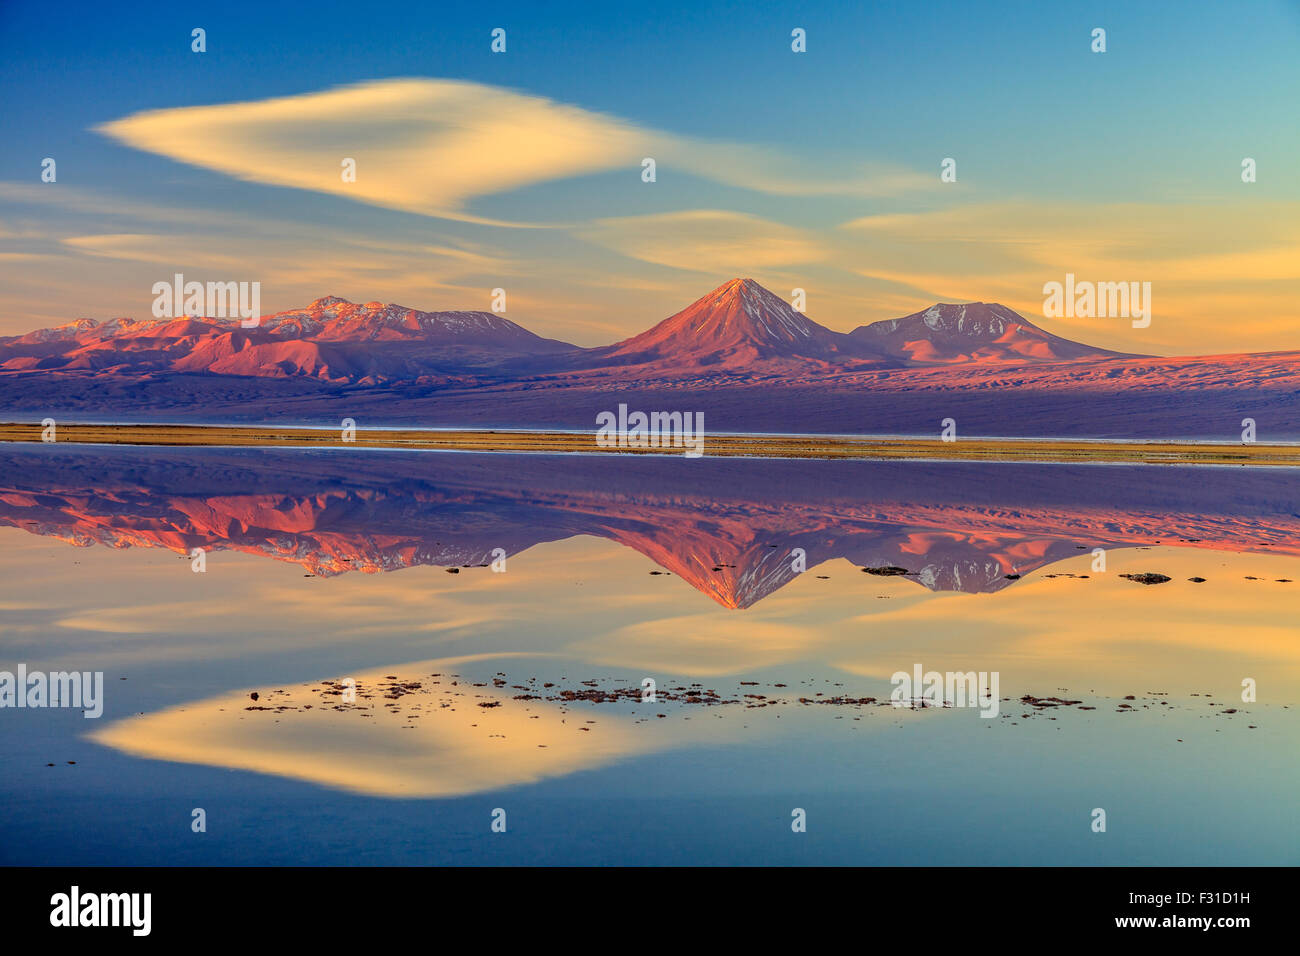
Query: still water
x=402, y=709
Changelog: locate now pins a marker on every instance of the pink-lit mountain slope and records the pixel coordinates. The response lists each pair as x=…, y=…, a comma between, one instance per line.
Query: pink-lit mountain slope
x=331, y=340
x=977, y=332
x=735, y=326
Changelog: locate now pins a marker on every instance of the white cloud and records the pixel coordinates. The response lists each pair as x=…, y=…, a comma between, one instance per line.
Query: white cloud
x=431, y=146
x=705, y=240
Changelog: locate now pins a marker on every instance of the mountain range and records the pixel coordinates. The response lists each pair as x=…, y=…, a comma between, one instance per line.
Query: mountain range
x=332, y=340
x=740, y=353
x=735, y=328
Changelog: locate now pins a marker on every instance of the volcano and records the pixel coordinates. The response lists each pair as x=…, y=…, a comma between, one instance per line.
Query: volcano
x=977, y=332
x=736, y=325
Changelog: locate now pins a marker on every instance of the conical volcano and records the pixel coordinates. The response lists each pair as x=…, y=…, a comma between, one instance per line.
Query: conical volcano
x=735, y=325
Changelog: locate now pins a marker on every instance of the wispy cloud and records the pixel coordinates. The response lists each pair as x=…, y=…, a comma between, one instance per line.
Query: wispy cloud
x=1206, y=261
x=706, y=240
x=431, y=146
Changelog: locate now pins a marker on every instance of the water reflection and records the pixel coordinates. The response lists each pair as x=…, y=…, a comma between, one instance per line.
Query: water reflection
x=736, y=530
x=623, y=568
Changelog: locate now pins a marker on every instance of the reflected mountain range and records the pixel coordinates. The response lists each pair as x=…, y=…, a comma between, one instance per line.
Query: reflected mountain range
x=729, y=527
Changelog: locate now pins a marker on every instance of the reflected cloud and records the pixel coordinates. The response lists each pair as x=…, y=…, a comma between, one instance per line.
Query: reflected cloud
x=430, y=738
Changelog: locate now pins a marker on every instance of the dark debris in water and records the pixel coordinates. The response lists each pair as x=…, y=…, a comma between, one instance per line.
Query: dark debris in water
x=409, y=699
x=1147, y=577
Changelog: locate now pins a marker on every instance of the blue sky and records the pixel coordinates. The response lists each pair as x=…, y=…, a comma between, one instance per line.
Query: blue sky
x=1137, y=149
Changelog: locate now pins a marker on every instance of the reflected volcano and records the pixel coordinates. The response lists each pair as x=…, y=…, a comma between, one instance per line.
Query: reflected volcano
x=732, y=528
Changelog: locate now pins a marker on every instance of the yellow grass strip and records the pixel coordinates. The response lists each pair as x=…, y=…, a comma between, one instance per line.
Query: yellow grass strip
x=754, y=446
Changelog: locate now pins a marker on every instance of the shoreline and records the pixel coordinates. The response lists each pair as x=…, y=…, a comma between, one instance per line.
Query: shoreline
x=729, y=446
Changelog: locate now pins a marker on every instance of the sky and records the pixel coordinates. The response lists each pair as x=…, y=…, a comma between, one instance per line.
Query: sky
x=523, y=169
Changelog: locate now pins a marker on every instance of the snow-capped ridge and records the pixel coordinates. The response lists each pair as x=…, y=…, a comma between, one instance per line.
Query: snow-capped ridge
x=972, y=332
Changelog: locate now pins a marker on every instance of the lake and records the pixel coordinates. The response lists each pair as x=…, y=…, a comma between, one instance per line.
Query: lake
x=500, y=714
